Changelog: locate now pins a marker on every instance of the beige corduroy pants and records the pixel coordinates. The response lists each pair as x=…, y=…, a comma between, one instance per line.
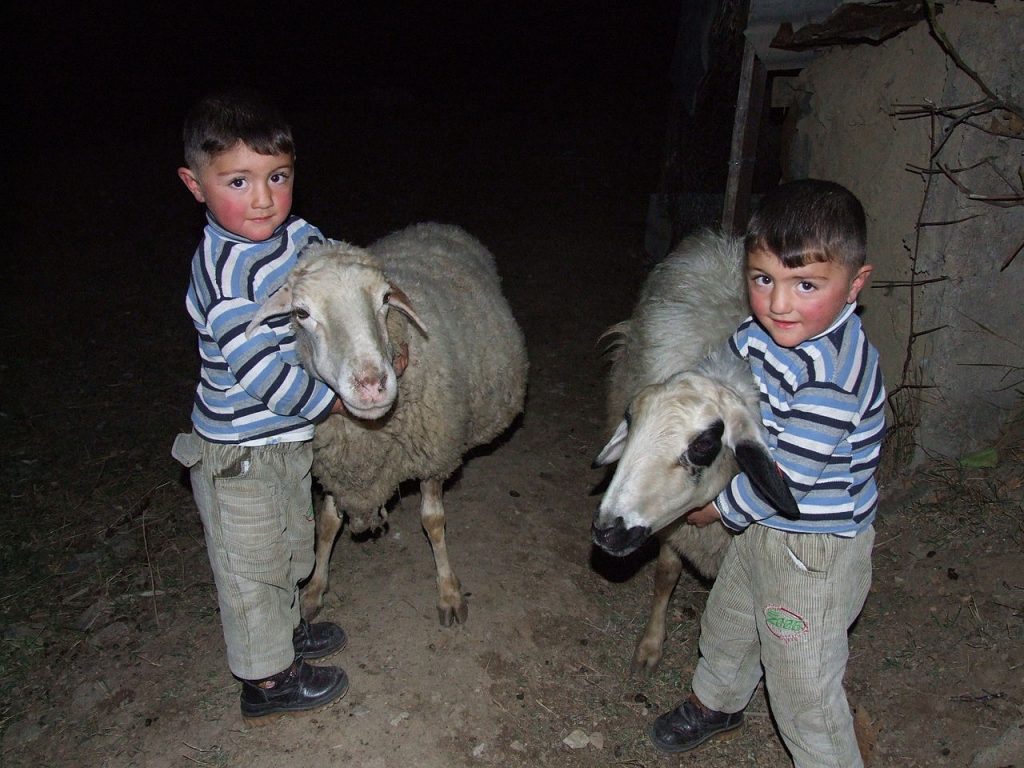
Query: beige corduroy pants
x=256, y=507
x=782, y=604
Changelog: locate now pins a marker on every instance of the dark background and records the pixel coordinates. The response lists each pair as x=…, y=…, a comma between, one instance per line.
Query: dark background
x=469, y=112
x=414, y=109
x=486, y=114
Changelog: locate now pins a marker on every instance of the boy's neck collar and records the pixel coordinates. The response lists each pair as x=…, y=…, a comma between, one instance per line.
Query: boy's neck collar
x=227, y=234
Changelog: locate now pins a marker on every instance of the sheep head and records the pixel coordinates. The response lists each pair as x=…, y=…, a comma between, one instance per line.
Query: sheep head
x=339, y=300
x=678, y=446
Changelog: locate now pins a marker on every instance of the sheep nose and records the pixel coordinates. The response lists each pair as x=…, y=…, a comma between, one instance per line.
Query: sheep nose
x=605, y=533
x=616, y=539
x=372, y=385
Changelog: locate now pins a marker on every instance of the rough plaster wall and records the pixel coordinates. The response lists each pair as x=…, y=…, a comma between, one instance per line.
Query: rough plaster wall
x=848, y=131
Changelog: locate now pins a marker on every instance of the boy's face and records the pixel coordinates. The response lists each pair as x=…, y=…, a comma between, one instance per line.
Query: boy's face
x=797, y=304
x=248, y=194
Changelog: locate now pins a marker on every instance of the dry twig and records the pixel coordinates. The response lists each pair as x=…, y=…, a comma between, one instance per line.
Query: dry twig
x=984, y=698
x=951, y=51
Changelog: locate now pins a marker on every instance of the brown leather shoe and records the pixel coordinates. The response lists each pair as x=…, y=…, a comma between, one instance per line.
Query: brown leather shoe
x=299, y=688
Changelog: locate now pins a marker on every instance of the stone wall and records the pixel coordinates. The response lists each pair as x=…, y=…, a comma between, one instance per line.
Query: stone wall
x=863, y=121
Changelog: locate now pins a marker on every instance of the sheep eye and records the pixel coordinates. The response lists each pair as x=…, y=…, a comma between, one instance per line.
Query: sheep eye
x=705, y=447
x=300, y=314
x=387, y=298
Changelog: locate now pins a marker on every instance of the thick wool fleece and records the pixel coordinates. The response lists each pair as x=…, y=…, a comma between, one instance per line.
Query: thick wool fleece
x=464, y=384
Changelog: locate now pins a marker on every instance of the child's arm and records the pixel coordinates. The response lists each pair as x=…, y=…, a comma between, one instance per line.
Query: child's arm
x=259, y=363
x=227, y=287
x=813, y=451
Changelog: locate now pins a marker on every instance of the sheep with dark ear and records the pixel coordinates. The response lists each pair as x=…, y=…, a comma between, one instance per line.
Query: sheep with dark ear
x=433, y=291
x=691, y=422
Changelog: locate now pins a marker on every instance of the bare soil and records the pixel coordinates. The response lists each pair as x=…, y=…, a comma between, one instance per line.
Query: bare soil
x=110, y=645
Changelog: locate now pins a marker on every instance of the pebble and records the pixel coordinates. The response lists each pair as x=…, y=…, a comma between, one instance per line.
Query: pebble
x=576, y=740
x=399, y=718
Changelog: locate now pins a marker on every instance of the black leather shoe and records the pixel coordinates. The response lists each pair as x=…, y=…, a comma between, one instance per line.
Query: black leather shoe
x=299, y=688
x=318, y=641
x=691, y=724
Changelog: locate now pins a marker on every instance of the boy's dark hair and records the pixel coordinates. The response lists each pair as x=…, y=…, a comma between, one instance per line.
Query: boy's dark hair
x=809, y=221
x=219, y=121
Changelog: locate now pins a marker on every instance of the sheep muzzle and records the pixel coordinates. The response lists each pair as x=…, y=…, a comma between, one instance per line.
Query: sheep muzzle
x=616, y=539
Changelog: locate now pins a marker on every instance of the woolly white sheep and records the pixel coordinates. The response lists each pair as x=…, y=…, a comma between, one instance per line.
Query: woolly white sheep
x=464, y=384
x=685, y=397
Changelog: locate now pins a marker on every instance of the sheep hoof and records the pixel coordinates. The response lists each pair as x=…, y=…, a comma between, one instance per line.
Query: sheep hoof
x=310, y=606
x=644, y=663
x=452, y=614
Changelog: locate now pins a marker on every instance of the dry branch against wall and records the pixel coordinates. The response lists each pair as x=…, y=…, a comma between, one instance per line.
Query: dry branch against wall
x=982, y=181
x=1009, y=124
x=905, y=398
x=940, y=35
x=965, y=115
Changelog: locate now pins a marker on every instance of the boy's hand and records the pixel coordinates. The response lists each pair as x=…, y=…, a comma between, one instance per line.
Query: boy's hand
x=702, y=516
x=401, y=359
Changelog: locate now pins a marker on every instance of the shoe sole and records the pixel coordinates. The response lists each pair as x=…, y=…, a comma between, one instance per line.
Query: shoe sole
x=265, y=718
x=722, y=733
x=326, y=654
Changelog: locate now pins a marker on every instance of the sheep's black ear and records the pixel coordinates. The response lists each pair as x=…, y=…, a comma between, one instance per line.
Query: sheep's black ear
x=706, y=446
x=755, y=460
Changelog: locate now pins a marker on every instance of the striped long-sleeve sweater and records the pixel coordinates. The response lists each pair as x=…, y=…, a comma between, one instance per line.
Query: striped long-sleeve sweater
x=823, y=408
x=251, y=391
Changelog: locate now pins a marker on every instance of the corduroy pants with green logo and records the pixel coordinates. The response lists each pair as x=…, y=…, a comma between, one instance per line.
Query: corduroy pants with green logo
x=782, y=604
x=256, y=506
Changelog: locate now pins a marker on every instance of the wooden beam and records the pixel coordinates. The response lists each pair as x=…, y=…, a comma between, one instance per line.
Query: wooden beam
x=743, y=154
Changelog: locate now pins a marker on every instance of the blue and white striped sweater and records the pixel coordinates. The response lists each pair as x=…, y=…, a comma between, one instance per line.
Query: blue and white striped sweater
x=251, y=391
x=823, y=408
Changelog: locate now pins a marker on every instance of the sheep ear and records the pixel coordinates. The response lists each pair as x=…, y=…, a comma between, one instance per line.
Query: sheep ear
x=279, y=303
x=398, y=300
x=612, y=452
x=757, y=463
x=743, y=435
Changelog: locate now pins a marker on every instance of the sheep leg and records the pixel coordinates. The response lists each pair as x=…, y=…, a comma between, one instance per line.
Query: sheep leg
x=666, y=574
x=451, y=606
x=328, y=522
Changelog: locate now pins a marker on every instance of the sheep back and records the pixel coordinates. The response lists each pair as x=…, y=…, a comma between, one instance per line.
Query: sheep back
x=689, y=305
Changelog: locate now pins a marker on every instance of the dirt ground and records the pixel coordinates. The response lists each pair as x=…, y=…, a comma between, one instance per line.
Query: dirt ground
x=110, y=646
